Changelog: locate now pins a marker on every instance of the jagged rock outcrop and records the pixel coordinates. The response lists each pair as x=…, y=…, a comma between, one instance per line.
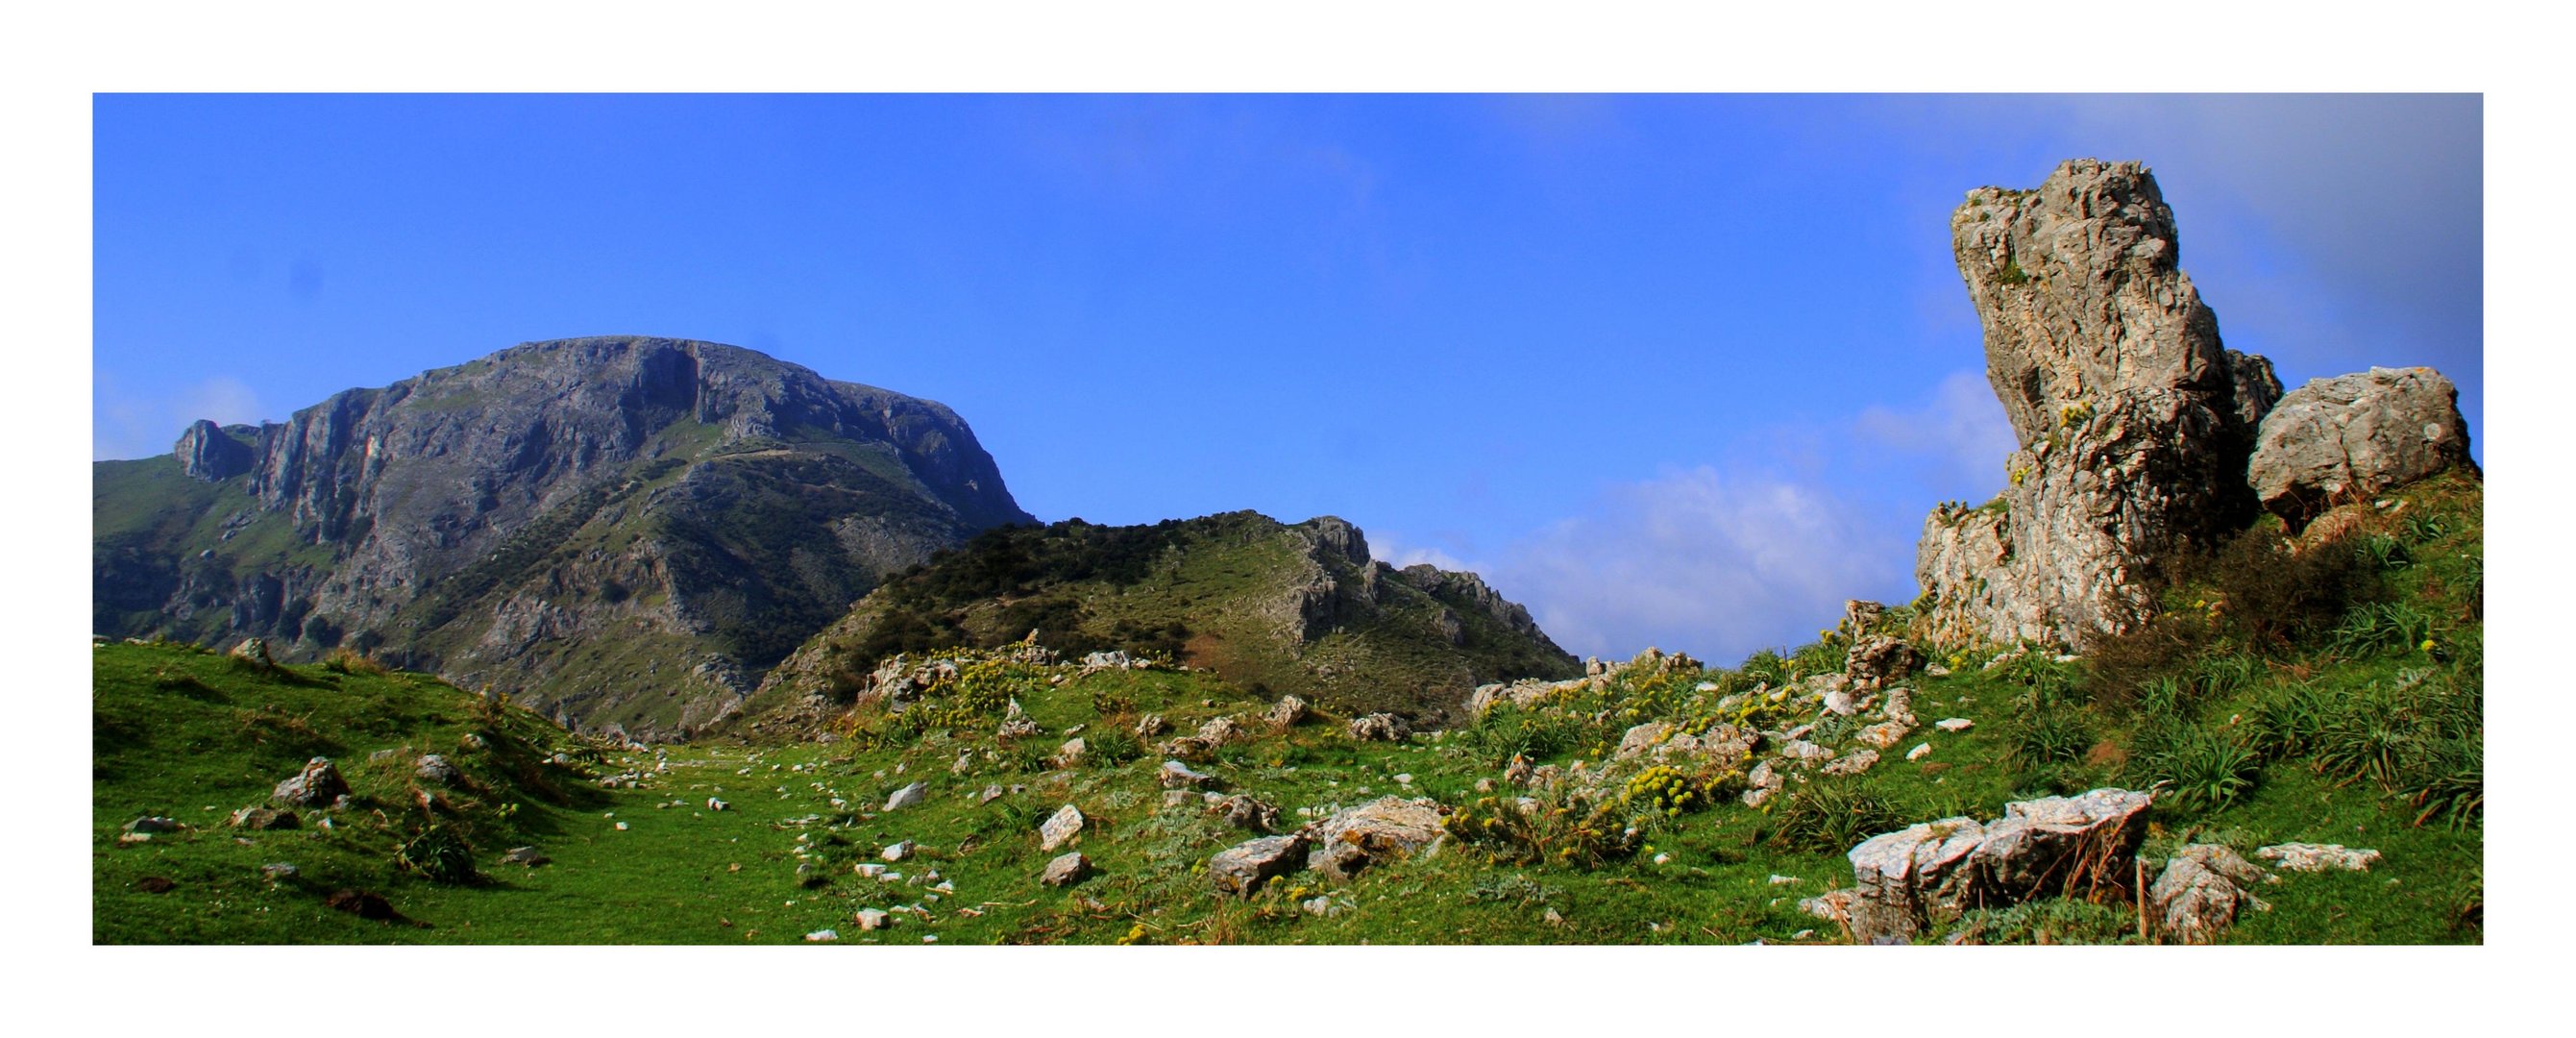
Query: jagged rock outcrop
x=2344, y=438
x=617, y=529
x=1294, y=609
x=2135, y=423
x=1909, y=880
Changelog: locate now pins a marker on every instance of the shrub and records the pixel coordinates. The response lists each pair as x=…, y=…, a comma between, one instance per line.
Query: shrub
x=1111, y=748
x=438, y=855
x=1560, y=829
x=1508, y=731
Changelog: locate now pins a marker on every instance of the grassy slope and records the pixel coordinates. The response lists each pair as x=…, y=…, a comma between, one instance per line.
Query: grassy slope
x=1220, y=578
x=168, y=747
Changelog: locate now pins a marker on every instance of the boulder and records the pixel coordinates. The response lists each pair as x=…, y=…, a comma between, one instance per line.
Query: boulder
x=899, y=850
x=2317, y=857
x=1244, y=812
x=1240, y=870
x=1286, y=713
x=1852, y=763
x=1218, y=732
x=254, y=651
x=1642, y=738
x=908, y=796
x=2200, y=891
x=1382, y=829
x=1151, y=725
x=2133, y=424
x=1064, y=825
x=872, y=919
x=435, y=768
x=1070, y=753
x=1522, y=693
x=2352, y=436
x=1066, y=870
x=1875, y=660
x=1906, y=881
x=264, y=818
x=317, y=785
x=1015, y=724
x=1379, y=728
x=1176, y=775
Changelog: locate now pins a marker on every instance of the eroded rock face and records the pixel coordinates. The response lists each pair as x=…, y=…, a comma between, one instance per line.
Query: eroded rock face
x=2135, y=423
x=1241, y=869
x=2344, y=438
x=464, y=521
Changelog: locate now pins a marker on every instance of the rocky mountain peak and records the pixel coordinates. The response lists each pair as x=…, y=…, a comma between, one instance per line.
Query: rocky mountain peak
x=560, y=519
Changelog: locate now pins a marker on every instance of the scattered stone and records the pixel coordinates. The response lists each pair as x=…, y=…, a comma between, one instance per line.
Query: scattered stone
x=908, y=796
x=1069, y=754
x=2345, y=438
x=1954, y=725
x=528, y=856
x=264, y=818
x=1244, y=812
x=869, y=870
x=2314, y=857
x=1379, y=728
x=1518, y=771
x=1403, y=779
x=318, y=784
x=1066, y=870
x=1761, y=784
x=279, y=871
x=1015, y=724
x=990, y=794
x=872, y=919
x=1920, y=751
x=435, y=768
x=1151, y=725
x=2201, y=890
x=898, y=851
x=1177, y=775
x=1064, y=825
x=1841, y=704
x=1484, y=785
x=1937, y=670
x=153, y=824
x=1218, y=732
x=1853, y=763
x=1178, y=797
x=1779, y=880
x=1320, y=905
x=1552, y=918
x=254, y=651
x=1886, y=734
x=1240, y=870
x=822, y=936
x=1641, y=738
x=1286, y=713
x=714, y=804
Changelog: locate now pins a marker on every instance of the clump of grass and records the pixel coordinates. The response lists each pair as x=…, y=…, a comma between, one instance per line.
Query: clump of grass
x=1508, y=731
x=345, y=660
x=439, y=855
x=2204, y=770
x=2048, y=921
x=1827, y=817
x=1111, y=748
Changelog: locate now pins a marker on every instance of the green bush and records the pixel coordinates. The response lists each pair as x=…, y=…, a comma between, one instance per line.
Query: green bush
x=1829, y=817
x=438, y=855
x=2205, y=770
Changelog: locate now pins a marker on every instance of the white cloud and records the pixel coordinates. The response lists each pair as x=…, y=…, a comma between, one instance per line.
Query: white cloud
x=1714, y=564
x=133, y=425
x=1961, y=431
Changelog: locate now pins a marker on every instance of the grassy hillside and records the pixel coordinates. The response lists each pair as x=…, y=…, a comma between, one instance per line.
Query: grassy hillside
x=1276, y=609
x=2331, y=698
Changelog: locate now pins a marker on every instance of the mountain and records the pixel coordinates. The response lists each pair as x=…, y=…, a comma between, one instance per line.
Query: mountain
x=1276, y=608
x=617, y=531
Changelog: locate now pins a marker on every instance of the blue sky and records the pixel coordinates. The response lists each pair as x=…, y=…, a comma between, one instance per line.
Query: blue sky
x=1674, y=370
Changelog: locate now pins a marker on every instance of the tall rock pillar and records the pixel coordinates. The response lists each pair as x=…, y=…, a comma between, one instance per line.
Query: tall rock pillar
x=2134, y=422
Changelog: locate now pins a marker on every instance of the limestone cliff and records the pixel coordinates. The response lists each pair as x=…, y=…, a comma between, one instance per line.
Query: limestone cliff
x=618, y=530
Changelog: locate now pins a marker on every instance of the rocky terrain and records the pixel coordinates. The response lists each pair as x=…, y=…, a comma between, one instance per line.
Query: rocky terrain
x=2209, y=670
x=1293, y=609
x=619, y=531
